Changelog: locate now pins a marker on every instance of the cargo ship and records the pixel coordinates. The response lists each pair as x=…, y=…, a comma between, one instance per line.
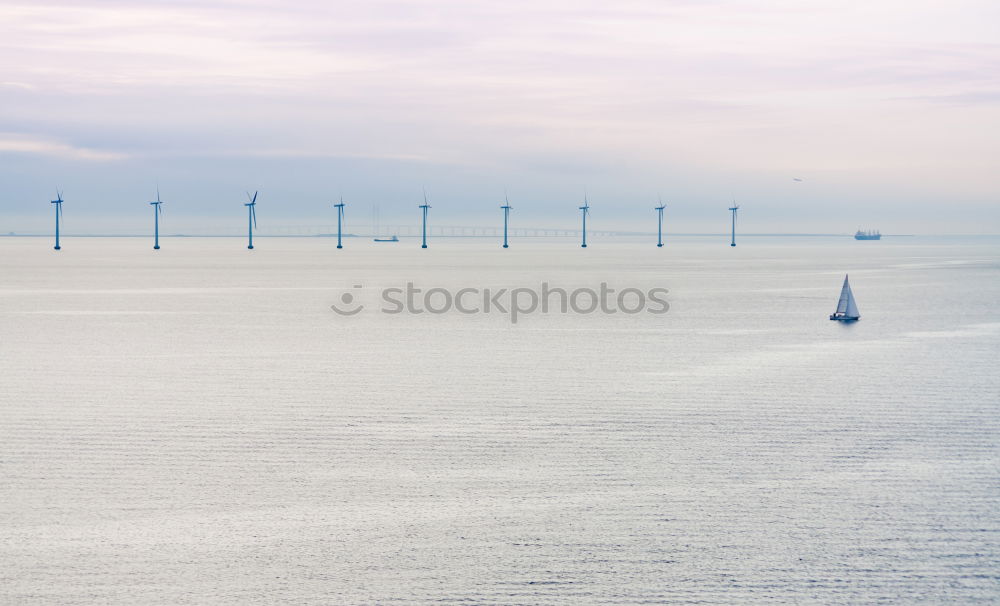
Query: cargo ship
x=868, y=235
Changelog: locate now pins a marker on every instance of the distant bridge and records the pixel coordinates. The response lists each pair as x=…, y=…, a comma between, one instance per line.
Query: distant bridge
x=457, y=231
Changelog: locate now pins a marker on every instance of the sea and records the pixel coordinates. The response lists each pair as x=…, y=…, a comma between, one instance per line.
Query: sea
x=205, y=424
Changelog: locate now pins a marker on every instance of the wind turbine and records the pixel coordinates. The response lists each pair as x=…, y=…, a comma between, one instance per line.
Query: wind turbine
x=659, y=225
x=58, y=202
x=506, y=217
x=584, y=211
x=734, y=208
x=251, y=218
x=340, y=221
x=157, y=212
x=425, y=206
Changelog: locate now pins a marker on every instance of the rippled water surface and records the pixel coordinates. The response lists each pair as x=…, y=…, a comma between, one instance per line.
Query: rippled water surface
x=196, y=426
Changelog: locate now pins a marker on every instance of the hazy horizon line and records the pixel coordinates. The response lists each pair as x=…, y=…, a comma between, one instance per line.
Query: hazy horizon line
x=436, y=236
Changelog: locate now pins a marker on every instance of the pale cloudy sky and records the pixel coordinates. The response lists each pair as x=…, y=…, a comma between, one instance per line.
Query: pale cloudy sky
x=888, y=110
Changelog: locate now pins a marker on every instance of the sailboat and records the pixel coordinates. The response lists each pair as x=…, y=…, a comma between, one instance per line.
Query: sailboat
x=847, y=309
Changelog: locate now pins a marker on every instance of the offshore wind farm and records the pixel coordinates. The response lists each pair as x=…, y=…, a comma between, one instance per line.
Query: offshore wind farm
x=459, y=231
x=504, y=230
x=426, y=230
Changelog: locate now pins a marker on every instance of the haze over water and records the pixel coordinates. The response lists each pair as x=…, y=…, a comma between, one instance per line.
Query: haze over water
x=196, y=426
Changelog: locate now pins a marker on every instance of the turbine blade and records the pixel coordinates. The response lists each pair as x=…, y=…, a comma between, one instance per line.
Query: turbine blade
x=254, y=201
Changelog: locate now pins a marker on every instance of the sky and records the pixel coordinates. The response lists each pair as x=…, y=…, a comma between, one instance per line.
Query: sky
x=816, y=117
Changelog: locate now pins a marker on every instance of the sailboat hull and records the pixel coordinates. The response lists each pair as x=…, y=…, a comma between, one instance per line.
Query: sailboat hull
x=845, y=318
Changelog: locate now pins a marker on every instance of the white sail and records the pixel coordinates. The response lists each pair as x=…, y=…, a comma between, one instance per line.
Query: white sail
x=847, y=309
x=845, y=297
x=852, y=307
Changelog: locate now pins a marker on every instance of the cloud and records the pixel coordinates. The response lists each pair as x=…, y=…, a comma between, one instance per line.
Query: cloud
x=18, y=85
x=26, y=144
x=989, y=97
x=556, y=93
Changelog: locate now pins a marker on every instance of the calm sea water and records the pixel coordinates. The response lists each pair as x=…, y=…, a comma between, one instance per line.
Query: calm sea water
x=196, y=426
